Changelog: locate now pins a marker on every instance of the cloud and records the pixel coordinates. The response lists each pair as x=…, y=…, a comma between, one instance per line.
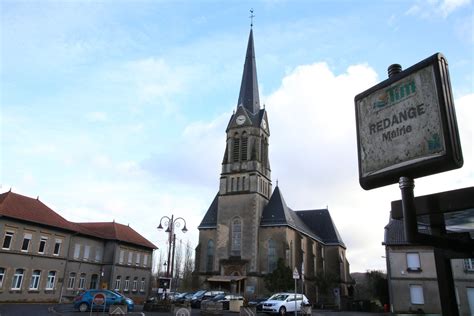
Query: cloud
x=314, y=155
x=436, y=8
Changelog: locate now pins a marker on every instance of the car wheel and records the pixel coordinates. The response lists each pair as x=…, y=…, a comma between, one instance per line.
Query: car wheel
x=83, y=307
x=282, y=310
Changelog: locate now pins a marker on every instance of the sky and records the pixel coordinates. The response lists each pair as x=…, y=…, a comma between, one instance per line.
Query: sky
x=117, y=110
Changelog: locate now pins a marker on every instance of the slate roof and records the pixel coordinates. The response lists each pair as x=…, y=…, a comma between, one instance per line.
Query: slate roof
x=20, y=207
x=210, y=219
x=249, y=96
x=317, y=224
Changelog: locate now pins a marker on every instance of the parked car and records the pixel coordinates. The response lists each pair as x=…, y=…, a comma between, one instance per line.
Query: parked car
x=258, y=303
x=83, y=301
x=183, y=297
x=198, y=297
x=282, y=303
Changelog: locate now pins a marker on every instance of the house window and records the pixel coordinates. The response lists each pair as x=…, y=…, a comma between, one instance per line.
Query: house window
x=72, y=280
x=127, y=284
x=77, y=251
x=117, y=283
x=26, y=242
x=87, y=252
x=210, y=255
x=272, y=257
x=82, y=281
x=94, y=279
x=17, y=279
x=469, y=265
x=416, y=294
x=42, y=244
x=236, y=237
x=2, y=276
x=51, y=280
x=142, y=285
x=7, y=240
x=243, y=183
x=145, y=260
x=135, y=284
x=122, y=255
x=130, y=256
x=413, y=261
x=35, y=278
x=137, y=259
x=57, y=247
x=98, y=254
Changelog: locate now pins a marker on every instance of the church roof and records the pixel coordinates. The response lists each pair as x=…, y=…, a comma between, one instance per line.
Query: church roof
x=210, y=219
x=249, y=96
x=317, y=224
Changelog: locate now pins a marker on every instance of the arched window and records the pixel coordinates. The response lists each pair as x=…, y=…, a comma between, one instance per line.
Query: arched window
x=17, y=279
x=272, y=257
x=236, y=148
x=236, y=236
x=210, y=255
x=244, y=149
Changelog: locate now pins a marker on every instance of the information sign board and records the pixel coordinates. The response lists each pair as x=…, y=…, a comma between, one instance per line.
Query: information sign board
x=406, y=125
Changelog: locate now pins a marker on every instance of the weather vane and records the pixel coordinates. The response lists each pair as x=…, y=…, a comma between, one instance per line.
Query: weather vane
x=251, y=17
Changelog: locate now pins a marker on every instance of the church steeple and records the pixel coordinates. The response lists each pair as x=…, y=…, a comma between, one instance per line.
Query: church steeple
x=249, y=97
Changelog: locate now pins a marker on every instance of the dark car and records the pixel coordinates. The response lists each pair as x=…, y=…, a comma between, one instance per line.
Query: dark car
x=183, y=298
x=200, y=296
x=83, y=301
x=258, y=303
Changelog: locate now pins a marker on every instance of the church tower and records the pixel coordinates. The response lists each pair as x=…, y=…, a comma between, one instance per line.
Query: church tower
x=248, y=228
x=229, y=232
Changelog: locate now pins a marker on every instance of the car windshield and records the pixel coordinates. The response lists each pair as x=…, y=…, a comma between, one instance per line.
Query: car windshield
x=278, y=297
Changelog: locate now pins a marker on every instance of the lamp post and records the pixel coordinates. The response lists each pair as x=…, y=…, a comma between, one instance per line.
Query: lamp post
x=171, y=224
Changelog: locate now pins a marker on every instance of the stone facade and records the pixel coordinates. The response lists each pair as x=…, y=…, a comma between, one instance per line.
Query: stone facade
x=248, y=226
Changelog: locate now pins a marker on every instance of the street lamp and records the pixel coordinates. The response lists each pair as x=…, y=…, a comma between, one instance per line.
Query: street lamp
x=171, y=224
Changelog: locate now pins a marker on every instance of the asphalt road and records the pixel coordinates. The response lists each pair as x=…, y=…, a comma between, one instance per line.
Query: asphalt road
x=67, y=310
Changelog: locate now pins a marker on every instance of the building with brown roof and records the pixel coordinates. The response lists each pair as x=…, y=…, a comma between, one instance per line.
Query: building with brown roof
x=46, y=258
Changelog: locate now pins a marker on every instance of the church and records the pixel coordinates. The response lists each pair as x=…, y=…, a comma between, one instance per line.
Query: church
x=249, y=227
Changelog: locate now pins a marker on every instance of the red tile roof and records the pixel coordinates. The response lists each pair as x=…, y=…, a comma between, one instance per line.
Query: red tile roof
x=24, y=208
x=116, y=231
x=32, y=210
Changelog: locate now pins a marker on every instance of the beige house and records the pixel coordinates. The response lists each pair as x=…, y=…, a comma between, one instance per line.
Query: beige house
x=45, y=258
x=413, y=282
x=249, y=226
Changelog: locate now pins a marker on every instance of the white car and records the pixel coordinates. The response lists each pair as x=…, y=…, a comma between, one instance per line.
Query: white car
x=283, y=303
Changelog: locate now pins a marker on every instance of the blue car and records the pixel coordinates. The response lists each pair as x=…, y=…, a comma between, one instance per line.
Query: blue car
x=83, y=301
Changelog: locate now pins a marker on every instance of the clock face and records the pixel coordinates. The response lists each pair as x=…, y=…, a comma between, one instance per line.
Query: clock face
x=240, y=120
x=264, y=124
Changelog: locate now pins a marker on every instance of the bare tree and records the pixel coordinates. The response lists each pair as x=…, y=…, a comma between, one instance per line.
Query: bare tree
x=178, y=260
x=188, y=267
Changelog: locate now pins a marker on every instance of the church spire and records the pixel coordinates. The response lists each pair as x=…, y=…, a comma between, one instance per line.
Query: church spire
x=248, y=97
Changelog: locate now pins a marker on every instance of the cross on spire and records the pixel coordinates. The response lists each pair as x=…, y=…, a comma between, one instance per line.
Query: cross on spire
x=251, y=17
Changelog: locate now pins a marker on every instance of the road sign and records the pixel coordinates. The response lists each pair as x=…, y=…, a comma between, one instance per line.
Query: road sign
x=99, y=299
x=406, y=125
x=296, y=274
